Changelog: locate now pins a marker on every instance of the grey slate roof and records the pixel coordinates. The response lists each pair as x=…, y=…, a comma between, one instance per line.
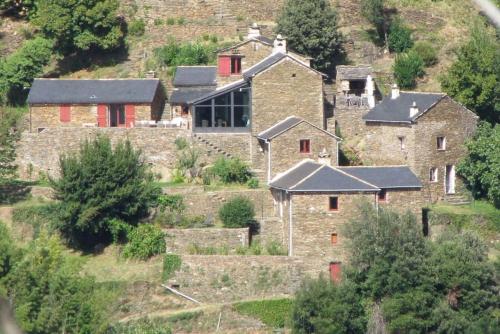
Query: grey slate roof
x=264, y=39
x=385, y=176
x=310, y=176
x=82, y=91
x=346, y=72
x=264, y=64
x=398, y=110
x=220, y=91
x=285, y=125
x=195, y=76
x=184, y=95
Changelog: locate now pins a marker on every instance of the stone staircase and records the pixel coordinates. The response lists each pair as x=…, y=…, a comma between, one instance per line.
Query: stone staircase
x=210, y=147
x=456, y=199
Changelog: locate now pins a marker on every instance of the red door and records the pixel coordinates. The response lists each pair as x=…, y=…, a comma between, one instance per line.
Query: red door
x=102, y=116
x=335, y=271
x=129, y=115
x=224, y=66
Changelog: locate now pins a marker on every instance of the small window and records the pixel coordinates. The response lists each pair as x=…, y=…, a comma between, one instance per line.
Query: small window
x=235, y=65
x=334, y=238
x=305, y=146
x=401, y=142
x=382, y=195
x=433, y=174
x=441, y=143
x=333, y=204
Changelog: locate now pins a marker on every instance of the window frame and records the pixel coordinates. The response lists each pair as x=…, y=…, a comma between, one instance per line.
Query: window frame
x=334, y=208
x=383, y=199
x=433, y=175
x=441, y=143
x=334, y=238
x=235, y=65
x=402, y=144
x=307, y=146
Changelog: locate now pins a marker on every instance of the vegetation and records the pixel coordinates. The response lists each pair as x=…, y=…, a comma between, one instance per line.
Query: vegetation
x=145, y=241
x=137, y=27
x=374, y=12
x=474, y=78
x=231, y=170
x=407, y=68
x=481, y=167
x=171, y=263
x=7, y=251
x=99, y=184
x=399, y=39
x=174, y=53
x=142, y=326
x=426, y=51
x=237, y=212
x=272, y=312
x=311, y=28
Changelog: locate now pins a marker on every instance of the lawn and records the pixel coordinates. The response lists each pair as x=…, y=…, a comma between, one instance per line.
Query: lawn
x=272, y=312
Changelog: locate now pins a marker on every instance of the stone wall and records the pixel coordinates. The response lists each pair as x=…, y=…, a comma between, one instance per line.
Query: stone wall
x=179, y=241
x=236, y=144
x=349, y=121
x=403, y=200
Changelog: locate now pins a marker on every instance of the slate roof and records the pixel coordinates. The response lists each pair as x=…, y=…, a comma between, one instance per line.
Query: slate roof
x=83, y=91
x=385, y=176
x=184, y=95
x=310, y=176
x=188, y=76
x=284, y=126
x=220, y=91
x=398, y=110
x=346, y=72
x=264, y=39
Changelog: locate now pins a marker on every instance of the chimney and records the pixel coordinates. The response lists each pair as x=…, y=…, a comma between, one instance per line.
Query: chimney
x=324, y=158
x=413, y=109
x=150, y=74
x=253, y=31
x=279, y=44
x=369, y=90
x=395, y=92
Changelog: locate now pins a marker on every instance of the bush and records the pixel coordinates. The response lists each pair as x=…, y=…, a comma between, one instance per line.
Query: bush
x=145, y=241
x=275, y=248
x=427, y=52
x=231, y=170
x=171, y=203
x=137, y=27
x=170, y=21
x=253, y=183
x=142, y=326
x=6, y=251
x=37, y=215
x=171, y=263
x=274, y=312
x=181, y=143
x=407, y=68
x=399, y=38
x=237, y=212
x=175, y=54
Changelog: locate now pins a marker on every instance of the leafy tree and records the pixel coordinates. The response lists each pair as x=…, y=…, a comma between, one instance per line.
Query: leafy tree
x=237, y=212
x=7, y=251
x=323, y=307
x=18, y=7
x=474, y=78
x=399, y=39
x=373, y=11
x=18, y=70
x=80, y=25
x=407, y=68
x=311, y=29
x=231, y=170
x=481, y=167
x=98, y=185
x=145, y=241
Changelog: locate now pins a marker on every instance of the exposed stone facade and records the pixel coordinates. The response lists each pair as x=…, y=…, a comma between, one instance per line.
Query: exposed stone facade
x=181, y=240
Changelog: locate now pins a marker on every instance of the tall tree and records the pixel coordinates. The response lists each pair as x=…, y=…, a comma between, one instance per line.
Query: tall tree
x=474, y=78
x=311, y=28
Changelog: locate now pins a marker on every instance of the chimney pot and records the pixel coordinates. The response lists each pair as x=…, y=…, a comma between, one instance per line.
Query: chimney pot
x=395, y=92
x=414, y=109
x=253, y=31
x=279, y=44
x=324, y=157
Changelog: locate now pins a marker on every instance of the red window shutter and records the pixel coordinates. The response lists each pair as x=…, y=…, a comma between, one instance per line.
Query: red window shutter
x=335, y=272
x=129, y=115
x=65, y=113
x=102, y=116
x=224, y=66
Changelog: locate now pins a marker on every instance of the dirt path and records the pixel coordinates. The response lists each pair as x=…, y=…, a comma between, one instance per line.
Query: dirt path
x=7, y=323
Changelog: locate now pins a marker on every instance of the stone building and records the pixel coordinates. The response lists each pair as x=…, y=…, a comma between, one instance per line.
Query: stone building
x=59, y=103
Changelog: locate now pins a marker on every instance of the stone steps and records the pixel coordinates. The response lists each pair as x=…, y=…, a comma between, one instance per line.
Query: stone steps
x=457, y=199
x=211, y=147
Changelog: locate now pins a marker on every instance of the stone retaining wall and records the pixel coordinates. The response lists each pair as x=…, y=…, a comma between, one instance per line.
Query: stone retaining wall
x=180, y=240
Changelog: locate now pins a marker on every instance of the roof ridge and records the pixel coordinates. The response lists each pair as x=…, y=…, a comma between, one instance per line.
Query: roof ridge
x=354, y=177
x=308, y=176
x=373, y=166
x=300, y=163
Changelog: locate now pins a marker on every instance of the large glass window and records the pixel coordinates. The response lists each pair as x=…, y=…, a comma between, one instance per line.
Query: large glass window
x=203, y=116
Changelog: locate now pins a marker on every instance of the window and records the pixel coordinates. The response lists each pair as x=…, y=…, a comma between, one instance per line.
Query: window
x=305, y=146
x=333, y=203
x=235, y=65
x=441, y=143
x=382, y=195
x=117, y=115
x=334, y=238
x=433, y=174
x=401, y=142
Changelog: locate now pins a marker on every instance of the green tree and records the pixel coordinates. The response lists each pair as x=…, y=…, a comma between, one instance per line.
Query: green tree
x=80, y=25
x=7, y=251
x=474, y=78
x=311, y=28
x=407, y=68
x=237, y=212
x=399, y=39
x=18, y=7
x=374, y=12
x=322, y=307
x=99, y=185
x=481, y=167
x=145, y=241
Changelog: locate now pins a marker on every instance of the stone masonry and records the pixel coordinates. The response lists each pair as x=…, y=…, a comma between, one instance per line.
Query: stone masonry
x=180, y=240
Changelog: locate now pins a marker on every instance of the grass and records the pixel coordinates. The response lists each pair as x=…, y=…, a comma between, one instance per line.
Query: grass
x=272, y=312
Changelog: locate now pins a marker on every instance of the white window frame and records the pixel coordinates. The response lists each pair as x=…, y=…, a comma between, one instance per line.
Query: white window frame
x=443, y=146
x=402, y=142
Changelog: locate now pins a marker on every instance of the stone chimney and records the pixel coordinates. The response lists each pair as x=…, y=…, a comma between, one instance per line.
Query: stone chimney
x=253, y=31
x=279, y=44
x=324, y=158
x=370, y=90
x=413, y=109
x=395, y=92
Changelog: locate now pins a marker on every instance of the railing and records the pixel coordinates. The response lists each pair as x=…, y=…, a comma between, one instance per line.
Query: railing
x=352, y=101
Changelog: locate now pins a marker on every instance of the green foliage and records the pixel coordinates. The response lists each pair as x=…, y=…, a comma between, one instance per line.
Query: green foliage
x=170, y=21
x=171, y=263
x=19, y=7
x=142, y=326
x=7, y=251
x=253, y=183
x=195, y=249
x=427, y=52
x=237, y=212
x=407, y=68
x=311, y=28
x=231, y=170
x=187, y=159
x=80, y=25
x=98, y=184
x=275, y=248
x=399, y=38
x=474, y=78
x=19, y=69
x=481, y=167
x=171, y=203
x=175, y=53
x=145, y=241
x=181, y=143
x=7, y=151
x=323, y=307
x=373, y=11
x=137, y=27
x=39, y=216
x=272, y=312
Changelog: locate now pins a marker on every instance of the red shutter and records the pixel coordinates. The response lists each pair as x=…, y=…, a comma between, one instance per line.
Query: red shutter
x=224, y=66
x=335, y=271
x=129, y=115
x=65, y=113
x=102, y=116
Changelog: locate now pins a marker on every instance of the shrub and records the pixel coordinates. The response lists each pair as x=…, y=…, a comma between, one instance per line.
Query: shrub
x=145, y=241
x=231, y=170
x=177, y=177
x=175, y=54
x=272, y=312
x=37, y=215
x=142, y=326
x=170, y=21
x=275, y=248
x=158, y=22
x=171, y=263
x=137, y=27
x=399, y=38
x=407, y=67
x=187, y=159
x=181, y=143
x=253, y=183
x=237, y=212
x=6, y=251
x=171, y=203
x=181, y=21
x=427, y=52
